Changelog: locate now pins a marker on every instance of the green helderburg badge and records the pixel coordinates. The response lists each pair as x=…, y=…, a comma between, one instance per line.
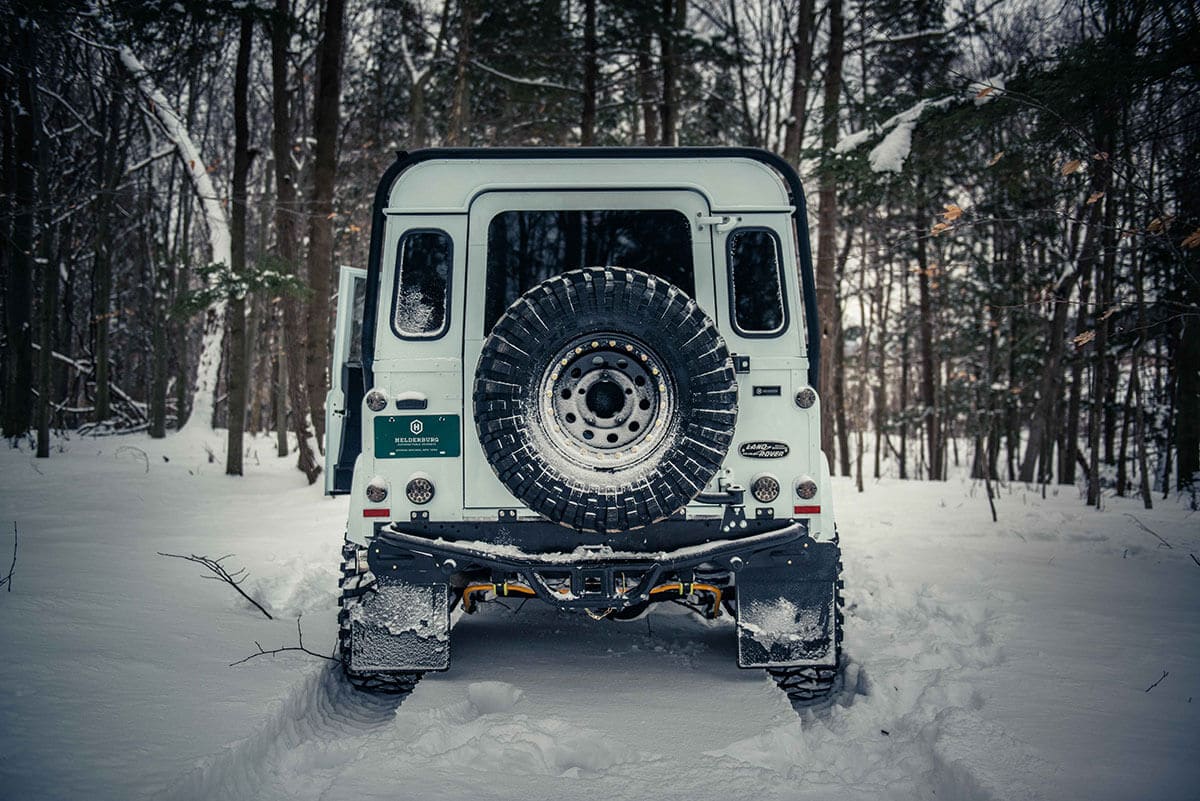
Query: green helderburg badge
x=409, y=436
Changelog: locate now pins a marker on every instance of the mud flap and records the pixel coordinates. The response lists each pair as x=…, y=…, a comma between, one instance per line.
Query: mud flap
x=401, y=626
x=787, y=607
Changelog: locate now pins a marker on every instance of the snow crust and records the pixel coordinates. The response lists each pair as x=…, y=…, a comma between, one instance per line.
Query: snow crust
x=984, y=661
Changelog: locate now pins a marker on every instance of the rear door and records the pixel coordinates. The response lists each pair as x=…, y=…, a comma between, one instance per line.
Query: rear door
x=343, y=404
x=518, y=239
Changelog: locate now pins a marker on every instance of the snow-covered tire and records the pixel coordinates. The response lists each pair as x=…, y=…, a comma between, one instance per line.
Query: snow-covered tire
x=605, y=399
x=356, y=582
x=813, y=684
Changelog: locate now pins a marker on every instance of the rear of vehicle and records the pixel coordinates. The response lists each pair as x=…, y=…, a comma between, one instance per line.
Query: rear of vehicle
x=586, y=377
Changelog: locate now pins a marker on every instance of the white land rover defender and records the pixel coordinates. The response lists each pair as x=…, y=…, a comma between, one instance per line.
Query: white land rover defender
x=583, y=376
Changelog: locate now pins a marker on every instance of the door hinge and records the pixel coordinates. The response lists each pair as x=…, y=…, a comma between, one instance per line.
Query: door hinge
x=719, y=222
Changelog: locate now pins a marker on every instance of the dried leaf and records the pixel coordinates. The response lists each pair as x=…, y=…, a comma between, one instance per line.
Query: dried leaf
x=331, y=215
x=985, y=91
x=1092, y=198
x=354, y=229
x=1071, y=166
x=939, y=228
x=1084, y=338
x=1160, y=224
x=951, y=213
x=1193, y=239
x=1101, y=156
x=995, y=158
x=1109, y=312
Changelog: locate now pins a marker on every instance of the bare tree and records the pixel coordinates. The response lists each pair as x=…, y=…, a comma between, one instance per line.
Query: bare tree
x=326, y=113
x=287, y=242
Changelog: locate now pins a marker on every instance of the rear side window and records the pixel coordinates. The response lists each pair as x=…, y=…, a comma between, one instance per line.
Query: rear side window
x=527, y=247
x=421, y=305
x=756, y=282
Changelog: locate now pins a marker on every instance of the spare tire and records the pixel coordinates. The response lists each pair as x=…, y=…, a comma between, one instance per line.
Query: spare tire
x=605, y=399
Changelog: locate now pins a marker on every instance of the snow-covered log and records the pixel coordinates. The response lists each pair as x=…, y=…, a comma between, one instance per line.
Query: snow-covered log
x=216, y=221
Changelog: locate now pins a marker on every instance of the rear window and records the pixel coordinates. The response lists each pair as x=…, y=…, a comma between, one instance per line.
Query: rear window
x=421, y=305
x=527, y=247
x=756, y=282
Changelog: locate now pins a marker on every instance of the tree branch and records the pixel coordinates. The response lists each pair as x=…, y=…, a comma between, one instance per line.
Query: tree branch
x=283, y=649
x=219, y=572
x=7, y=580
x=1148, y=530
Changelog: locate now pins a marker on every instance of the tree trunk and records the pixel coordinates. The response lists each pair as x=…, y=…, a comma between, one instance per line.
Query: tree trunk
x=48, y=269
x=18, y=296
x=929, y=368
x=456, y=133
x=107, y=179
x=591, y=73
x=238, y=375
x=320, y=222
x=827, y=220
x=1050, y=386
x=208, y=369
x=1105, y=268
x=647, y=95
x=802, y=51
x=674, y=17
x=287, y=244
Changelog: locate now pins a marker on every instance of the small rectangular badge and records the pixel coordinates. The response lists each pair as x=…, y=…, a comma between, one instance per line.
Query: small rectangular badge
x=410, y=436
x=761, y=390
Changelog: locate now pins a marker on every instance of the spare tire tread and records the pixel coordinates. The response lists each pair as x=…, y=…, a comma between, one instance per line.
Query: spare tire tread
x=629, y=303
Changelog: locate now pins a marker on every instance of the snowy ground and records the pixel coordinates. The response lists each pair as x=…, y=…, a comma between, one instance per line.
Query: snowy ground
x=987, y=661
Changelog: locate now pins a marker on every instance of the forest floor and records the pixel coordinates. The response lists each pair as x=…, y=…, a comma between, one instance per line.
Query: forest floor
x=1009, y=660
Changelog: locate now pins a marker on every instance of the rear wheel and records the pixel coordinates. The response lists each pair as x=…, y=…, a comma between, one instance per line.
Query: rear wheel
x=815, y=683
x=355, y=584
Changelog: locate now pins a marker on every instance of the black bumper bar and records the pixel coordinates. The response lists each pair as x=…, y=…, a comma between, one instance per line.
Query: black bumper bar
x=597, y=575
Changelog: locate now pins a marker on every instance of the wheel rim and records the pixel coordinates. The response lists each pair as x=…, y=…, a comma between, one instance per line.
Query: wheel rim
x=606, y=400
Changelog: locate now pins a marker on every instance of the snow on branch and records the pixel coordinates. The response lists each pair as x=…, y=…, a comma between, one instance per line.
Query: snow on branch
x=893, y=149
x=535, y=82
x=218, y=231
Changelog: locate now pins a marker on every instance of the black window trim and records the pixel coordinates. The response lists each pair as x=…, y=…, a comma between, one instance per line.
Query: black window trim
x=783, y=293
x=449, y=303
x=686, y=218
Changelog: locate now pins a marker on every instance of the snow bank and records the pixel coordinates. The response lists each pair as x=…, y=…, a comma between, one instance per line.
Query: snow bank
x=984, y=661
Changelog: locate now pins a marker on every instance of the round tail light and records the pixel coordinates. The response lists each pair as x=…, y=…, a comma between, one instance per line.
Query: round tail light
x=376, y=400
x=377, y=490
x=765, y=489
x=806, y=488
x=419, y=490
x=806, y=397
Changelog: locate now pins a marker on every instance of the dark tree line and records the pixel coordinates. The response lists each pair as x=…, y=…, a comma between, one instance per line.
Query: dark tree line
x=1003, y=196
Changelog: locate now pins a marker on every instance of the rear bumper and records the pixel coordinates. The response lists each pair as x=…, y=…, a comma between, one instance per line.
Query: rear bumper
x=592, y=576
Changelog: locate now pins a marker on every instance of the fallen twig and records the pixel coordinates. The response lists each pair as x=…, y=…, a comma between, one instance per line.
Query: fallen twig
x=7, y=580
x=1148, y=530
x=300, y=648
x=233, y=579
x=138, y=451
x=1194, y=559
x=1160, y=678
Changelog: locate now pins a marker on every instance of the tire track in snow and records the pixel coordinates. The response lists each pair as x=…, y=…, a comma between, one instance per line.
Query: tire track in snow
x=322, y=707
x=916, y=728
